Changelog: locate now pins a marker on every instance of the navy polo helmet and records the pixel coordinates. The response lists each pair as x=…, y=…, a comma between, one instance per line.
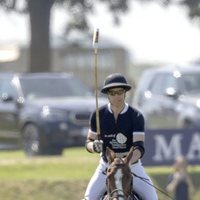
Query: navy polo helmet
x=115, y=80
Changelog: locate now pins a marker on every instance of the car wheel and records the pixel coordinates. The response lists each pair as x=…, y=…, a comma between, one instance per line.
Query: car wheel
x=34, y=144
x=31, y=140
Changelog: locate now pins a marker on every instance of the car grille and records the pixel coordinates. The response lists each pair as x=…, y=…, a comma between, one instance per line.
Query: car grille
x=80, y=118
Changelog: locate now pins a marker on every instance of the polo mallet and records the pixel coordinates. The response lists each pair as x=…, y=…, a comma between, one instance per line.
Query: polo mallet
x=95, y=46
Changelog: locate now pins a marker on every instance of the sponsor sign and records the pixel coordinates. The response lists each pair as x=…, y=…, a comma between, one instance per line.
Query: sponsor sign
x=163, y=146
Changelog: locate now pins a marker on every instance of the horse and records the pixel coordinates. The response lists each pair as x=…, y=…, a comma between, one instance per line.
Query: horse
x=119, y=177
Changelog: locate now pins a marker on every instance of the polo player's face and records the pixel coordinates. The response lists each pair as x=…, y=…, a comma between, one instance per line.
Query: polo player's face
x=116, y=96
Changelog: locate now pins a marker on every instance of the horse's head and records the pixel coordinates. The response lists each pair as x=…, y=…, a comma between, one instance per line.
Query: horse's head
x=119, y=177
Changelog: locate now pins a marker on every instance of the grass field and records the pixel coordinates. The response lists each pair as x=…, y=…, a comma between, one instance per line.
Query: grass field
x=63, y=177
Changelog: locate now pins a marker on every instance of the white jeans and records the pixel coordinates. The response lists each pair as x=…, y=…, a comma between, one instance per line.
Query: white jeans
x=97, y=185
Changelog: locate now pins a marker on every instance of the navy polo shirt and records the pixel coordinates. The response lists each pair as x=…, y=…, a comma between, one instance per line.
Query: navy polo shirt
x=118, y=134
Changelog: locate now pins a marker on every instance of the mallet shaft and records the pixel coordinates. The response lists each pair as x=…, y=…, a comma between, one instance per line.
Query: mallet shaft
x=95, y=45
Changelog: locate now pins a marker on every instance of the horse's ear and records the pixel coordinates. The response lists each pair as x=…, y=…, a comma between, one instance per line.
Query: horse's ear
x=110, y=155
x=129, y=156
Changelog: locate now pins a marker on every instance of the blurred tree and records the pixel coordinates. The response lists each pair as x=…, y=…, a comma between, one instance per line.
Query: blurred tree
x=40, y=14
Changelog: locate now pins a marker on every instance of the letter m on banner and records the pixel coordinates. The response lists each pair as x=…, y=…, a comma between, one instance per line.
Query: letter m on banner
x=165, y=150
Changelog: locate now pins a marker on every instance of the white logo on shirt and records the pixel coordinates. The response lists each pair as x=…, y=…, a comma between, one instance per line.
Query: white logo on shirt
x=121, y=138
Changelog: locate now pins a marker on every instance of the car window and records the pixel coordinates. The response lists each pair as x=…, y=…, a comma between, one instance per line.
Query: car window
x=6, y=88
x=53, y=87
x=170, y=81
x=145, y=80
x=158, y=84
x=142, y=86
x=162, y=83
x=191, y=82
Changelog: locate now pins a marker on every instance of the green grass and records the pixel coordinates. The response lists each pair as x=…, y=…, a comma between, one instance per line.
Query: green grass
x=75, y=164
x=61, y=177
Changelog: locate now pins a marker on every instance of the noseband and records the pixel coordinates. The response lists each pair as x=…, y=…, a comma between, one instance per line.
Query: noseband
x=115, y=194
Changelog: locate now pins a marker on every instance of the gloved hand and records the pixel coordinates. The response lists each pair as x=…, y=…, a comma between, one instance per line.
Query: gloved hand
x=98, y=146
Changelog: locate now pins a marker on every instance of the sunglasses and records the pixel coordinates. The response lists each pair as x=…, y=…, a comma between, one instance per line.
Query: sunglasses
x=117, y=92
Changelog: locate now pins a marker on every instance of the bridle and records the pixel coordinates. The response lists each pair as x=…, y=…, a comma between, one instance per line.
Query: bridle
x=113, y=196
x=116, y=193
x=118, y=169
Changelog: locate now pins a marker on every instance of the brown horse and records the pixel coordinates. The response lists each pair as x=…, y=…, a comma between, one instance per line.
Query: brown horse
x=119, y=177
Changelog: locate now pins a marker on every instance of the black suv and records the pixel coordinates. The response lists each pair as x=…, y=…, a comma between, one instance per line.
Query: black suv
x=169, y=97
x=44, y=112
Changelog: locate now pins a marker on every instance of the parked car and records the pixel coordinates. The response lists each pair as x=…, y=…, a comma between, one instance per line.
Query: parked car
x=44, y=112
x=169, y=97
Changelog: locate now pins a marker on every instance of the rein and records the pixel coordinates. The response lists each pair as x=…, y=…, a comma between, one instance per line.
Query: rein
x=120, y=162
x=147, y=181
